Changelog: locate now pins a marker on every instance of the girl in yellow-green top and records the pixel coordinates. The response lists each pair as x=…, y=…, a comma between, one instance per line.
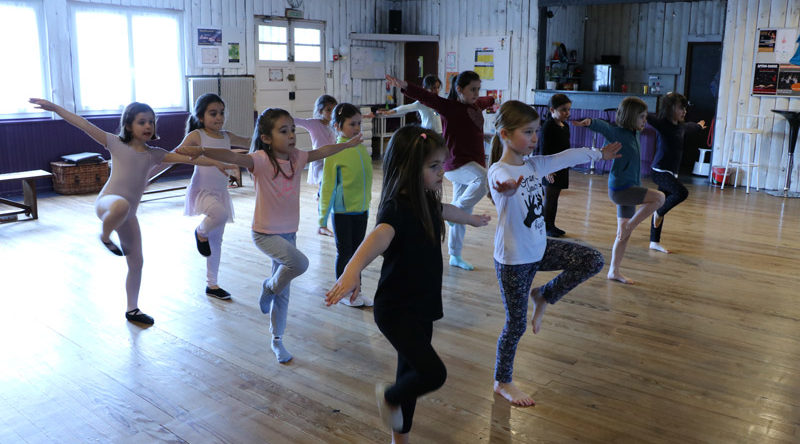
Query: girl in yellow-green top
x=347, y=188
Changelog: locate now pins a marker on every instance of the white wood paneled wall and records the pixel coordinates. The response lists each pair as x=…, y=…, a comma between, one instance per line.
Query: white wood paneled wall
x=455, y=19
x=650, y=37
x=743, y=18
x=567, y=27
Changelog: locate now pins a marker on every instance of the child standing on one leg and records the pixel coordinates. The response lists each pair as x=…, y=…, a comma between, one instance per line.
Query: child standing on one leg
x=319, y=128
x=555, y=139
x=133, y=160
x=624, y=181
x=429, y=118
x=672, y=130
x=276, y=165
x=408, y=233
x=462, y=126
x=207, y=193
x=347, y=188
x=521, y=245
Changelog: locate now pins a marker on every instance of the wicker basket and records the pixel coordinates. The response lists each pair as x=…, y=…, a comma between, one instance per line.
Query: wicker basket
x=69, y=178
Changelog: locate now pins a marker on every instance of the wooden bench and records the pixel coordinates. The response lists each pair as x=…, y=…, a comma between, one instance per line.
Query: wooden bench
x=28, y=178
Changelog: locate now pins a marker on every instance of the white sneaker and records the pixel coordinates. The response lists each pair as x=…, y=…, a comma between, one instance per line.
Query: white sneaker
x=359, y=302
x=391, y=417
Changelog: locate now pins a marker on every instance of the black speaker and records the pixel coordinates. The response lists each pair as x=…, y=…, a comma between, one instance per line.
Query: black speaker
x=395, y=21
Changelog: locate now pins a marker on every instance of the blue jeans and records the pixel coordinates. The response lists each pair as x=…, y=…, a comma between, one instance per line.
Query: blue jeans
x=287, y=263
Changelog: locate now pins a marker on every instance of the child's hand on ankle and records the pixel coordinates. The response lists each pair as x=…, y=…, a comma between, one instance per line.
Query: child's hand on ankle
x=479, y=220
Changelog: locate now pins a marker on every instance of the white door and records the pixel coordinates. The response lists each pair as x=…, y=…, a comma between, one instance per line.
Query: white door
x=290, y=68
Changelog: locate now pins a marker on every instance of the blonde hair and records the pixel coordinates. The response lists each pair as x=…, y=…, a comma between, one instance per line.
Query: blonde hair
x=512, y=115
x=628, y=111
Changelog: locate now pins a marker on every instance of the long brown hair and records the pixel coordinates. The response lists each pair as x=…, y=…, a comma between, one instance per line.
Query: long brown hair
x=512, y=115
x=628, y=111
x=402, y=174
x=265, y=125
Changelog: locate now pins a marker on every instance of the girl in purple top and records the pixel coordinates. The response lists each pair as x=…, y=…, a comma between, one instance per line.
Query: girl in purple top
x=462, y=128
x=132, y=160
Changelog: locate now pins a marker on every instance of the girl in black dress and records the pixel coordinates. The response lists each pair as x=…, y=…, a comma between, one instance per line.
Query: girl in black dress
x=555, y=139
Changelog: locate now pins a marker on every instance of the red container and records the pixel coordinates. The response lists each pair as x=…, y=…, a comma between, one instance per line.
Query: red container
x=718, y=175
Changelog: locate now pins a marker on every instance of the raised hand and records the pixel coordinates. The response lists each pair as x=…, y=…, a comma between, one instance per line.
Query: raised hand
x=394, y=81
x=508, y=185
x=357, y=139
x=385, y=111
x=585, y=122
x=702, y=124
x=611, y=151
x=550, y=177
x=43, y=104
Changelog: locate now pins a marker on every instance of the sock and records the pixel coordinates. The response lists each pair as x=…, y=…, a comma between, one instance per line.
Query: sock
x=457, y=261
x=280, y=351
x=657, y=246
x=266, y=298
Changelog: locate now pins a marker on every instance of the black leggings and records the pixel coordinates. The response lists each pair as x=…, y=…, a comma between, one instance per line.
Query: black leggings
x=419, y=368
x=551, y=194
x=349, y=231
x=675, y=193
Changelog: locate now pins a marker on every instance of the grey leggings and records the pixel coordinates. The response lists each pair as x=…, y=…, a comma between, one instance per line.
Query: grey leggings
x=287, y=263
x=579, y=264
x=627, y=200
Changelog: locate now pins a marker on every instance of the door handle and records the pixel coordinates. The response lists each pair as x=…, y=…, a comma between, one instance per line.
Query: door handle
x=291, y=95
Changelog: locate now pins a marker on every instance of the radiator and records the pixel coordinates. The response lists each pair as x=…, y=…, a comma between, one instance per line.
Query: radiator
x=238, y=94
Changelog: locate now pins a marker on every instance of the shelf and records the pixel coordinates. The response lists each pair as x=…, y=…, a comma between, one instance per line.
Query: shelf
x=394, y=37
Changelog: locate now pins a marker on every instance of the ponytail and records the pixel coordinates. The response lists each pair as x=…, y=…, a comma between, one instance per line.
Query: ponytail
x=497, y=149
x=463, y=79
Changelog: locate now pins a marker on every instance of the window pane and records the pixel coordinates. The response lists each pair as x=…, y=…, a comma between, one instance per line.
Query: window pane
x=104, y=75
x=307, y=53
x=306, y=36
x=273, y=34
x=22, y=75
x=271, y=52
x=158, y=79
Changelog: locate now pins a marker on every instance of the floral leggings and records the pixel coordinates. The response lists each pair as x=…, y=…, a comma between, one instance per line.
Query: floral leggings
x=579, y=264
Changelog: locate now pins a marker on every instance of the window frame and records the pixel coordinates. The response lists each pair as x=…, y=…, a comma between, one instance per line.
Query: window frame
x=41, y=24
x=128, y=13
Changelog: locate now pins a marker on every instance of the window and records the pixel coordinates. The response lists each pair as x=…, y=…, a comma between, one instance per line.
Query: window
x=307, y=45
x=272, y=44
x=24, y=72
x=123, y=55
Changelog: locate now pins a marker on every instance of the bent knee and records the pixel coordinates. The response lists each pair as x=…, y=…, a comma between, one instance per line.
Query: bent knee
x=302, y=264
x=438, y=376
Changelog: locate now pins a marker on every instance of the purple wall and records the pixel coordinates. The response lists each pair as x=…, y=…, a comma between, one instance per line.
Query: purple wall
x=33, y=144
x=580, y=136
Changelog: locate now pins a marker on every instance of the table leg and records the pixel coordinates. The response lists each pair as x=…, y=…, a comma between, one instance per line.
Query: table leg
x=793, y=128
x=29, y=190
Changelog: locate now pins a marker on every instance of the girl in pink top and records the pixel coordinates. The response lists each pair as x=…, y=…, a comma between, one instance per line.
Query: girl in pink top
x=276, y=166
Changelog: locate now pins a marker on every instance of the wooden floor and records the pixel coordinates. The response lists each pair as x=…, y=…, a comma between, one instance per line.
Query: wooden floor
x=704, y=348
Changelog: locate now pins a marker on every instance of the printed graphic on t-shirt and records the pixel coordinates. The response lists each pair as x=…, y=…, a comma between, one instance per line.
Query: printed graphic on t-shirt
x=531, y=192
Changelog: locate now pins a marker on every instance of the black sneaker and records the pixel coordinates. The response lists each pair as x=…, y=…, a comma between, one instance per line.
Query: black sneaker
x=202, y=246
x=136, y=315
x=218, y=293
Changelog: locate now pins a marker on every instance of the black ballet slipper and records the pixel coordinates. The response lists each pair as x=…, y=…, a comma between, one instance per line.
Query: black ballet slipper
x=202, y=246
x=112, y=247
x=136, y=315
x=218, y=293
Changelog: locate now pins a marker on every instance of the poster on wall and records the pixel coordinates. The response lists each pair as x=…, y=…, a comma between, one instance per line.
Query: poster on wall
x=209, y=37
x=789, y=80
x=774, y=71
x=487, y=56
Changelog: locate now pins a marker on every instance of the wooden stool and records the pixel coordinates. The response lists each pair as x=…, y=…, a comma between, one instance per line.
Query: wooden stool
x=748, y=155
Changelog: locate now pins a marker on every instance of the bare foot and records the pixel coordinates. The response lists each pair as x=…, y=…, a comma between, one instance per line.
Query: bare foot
x=538, y=311
x=658, y=247
x=324, y=231
x=513, y=394
x=619, y=277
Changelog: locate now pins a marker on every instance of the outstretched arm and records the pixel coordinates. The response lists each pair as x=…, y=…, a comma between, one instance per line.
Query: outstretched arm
x=456, y=215
x=73, y=119
x=329, y=150
x=348, y=283
x=219, y=154
x=240, y=141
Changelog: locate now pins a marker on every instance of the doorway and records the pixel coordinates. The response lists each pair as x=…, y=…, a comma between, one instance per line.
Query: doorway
x=290, y=69
x=703, y=62
x=421, y=59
